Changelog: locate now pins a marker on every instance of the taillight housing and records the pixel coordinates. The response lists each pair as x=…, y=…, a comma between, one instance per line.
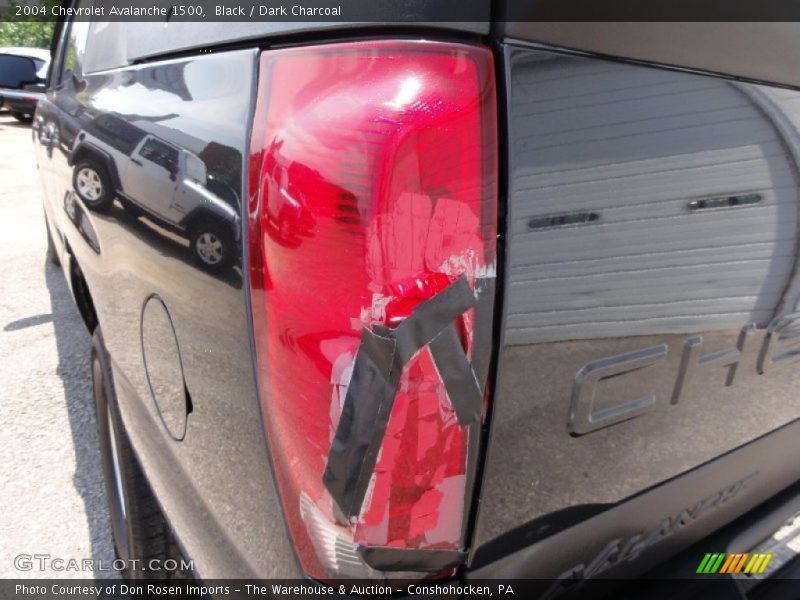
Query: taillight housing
x=372, y=238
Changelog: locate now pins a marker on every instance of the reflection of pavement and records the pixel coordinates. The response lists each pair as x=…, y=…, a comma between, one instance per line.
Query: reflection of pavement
x=165, y=242
x=52, y=493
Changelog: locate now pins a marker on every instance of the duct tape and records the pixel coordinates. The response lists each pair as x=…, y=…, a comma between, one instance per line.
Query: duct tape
x=379, y=363
x=457, y=375
x=365, y=406
x=484, y=326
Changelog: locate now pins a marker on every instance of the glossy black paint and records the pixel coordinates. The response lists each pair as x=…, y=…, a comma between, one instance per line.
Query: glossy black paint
x=636, y=343
x=215, y=483
x=550, y=500
x=751, y=50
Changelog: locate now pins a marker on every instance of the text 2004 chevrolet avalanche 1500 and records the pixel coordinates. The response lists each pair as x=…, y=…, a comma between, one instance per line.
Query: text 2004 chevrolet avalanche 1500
x=462, y=300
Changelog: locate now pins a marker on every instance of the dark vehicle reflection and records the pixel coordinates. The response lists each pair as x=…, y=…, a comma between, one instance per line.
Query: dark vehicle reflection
x=113, y=157
x=22, y=80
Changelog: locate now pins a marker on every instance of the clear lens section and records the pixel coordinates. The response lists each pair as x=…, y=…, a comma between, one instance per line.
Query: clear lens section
x=373, y=190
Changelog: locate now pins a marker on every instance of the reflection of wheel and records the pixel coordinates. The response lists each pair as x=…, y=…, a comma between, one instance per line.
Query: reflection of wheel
x=212, y=245
x=22, y=117
x=138, y=526
x=92, y=184
x=52, y=254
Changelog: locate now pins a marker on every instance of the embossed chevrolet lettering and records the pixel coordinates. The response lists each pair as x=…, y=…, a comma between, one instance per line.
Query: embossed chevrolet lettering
x=760, y=350
x=628, y=548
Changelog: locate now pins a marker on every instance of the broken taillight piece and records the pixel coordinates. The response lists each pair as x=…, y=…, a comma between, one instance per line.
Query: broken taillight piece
x=373, y=218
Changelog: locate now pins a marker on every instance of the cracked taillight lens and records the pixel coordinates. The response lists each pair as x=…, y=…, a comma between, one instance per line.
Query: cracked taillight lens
x=373, y=203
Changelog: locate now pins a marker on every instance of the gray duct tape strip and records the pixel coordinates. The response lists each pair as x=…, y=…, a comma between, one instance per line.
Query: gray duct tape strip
x=362, y=412
x=409, y=559
x=457, y=375
x=481, y=358
x=431, y=317
x=482, y=334
x=376, y=375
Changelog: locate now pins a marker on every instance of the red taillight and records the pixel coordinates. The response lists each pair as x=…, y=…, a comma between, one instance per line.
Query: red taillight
x=373, y=217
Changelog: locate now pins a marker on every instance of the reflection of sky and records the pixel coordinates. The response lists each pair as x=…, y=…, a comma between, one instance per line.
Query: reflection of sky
x=220, y=89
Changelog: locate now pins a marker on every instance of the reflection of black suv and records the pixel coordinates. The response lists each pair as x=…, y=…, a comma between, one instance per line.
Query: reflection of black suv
x=514, y=301
x=22, y=76
x=113, y=157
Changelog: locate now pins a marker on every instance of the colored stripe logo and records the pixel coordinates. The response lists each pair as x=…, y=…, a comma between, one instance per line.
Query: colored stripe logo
x=742, y=562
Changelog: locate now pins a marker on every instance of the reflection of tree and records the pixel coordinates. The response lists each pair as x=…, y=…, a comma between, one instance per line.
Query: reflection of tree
x=116, y=132
x=152, y=119
x=223, y=163
x=169, y=78
x=73, y=53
